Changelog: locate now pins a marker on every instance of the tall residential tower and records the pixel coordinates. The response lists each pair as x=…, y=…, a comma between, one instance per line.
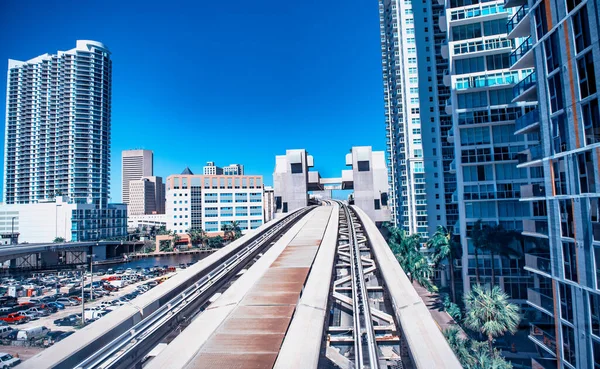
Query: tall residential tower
x=57, y=134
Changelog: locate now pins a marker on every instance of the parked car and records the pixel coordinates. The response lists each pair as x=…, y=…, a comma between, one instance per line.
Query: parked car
x=56, y=336
x=30, y=315
x=39, y=311
x=5, y=331
x=8, y=361
x=67, y=301
x=70, y=320
x=57, y=305
x=15, y=318
x=32, y=333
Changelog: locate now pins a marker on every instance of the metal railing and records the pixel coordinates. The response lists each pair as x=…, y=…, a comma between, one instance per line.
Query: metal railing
x=518, y=53
x=540, y=299
x=517, y=18
x=528, y=119
x=525, y=84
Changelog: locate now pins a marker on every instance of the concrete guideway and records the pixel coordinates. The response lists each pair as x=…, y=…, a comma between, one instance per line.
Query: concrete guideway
x=91, y=339
x=245, y=327
x=426, y=344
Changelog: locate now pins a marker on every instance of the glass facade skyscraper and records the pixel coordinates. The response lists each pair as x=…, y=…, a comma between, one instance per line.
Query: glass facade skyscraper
x=57, y=134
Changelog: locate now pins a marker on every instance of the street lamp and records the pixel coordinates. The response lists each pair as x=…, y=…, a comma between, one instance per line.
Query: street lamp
x=91, y=256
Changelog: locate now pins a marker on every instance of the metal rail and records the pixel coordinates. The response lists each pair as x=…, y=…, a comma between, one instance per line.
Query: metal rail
x=365, y=345
x=139, y=339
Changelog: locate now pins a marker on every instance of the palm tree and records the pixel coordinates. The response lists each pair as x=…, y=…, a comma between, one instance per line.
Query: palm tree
x=459, y=345
x=227, y=231
x=174, y=239
x=196, y=235
x=479, y=238
x=59, y=240
x=406, y=249
x=236, y=230
x=500, y=241
x=489, y=312
x=445, y=247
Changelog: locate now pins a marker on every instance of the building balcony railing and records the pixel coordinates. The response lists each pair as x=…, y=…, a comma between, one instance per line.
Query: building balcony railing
x=449, y=106
x=541, y=299
x=533, y=190
x=483, y=81
x=514, y=27
x=520, y=52
x=479, y=10
x=527, y=122
x=453, y=166
x=543, y=338
x=525, y=89
x=538, y=263
x=535, y=228
x=450, y=137
x=474, y=46
x=455, y=197
x=532, y=153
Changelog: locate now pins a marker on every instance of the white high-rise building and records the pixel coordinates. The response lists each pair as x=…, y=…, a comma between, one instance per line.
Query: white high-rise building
x=135, y=165
x=57, y=134
x=482, y=77
x=414, y=150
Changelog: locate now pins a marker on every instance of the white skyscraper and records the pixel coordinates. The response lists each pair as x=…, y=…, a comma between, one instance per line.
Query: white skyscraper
x=135, y=165
x=57, y=134
x=414, y=150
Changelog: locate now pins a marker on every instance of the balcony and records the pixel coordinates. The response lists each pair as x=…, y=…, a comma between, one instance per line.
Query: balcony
x=447, y=79
x=449, y=106
x=522, y=57
x=455, y=197
x=533, y=191
x=526, y=90
x=442, y=21
x=486, y=80
x=450, y=139
x=485, y=46
x=535, y=228
x=518, y=25
x=543, y=338
x=453, y=166
x=543, y=363
x=530, y=157
x=541, y=300
x=444, y=50
x=527, y=123
x=538, y=263
x=514, y=3
x=475, y=13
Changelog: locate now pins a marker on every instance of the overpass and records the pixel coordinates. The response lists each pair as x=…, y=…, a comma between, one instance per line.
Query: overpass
x=34, y=255
x=317, y=288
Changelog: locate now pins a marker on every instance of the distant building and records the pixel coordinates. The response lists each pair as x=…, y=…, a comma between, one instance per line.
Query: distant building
x=147, y=220
x=135, y=165
x=209, y=202
x=233, y=170
x=57, y=133
x=44, y=221
x=269, y=203
x=146, y=196
x=210, y=169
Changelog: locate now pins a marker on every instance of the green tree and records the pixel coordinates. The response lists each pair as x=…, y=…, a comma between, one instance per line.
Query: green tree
x=174, y=239
x=490, y=313
x=474, y=354
x=445, y=247
x=163, y=231
x=406, y=249
x=236, y=230
x=479, y=238
x=460, y=345
x=215, y=242
x=196, y=235
x=59, y=240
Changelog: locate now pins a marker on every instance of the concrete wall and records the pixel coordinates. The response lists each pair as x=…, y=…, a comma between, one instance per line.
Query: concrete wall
x=370, y=182
x=290, y=179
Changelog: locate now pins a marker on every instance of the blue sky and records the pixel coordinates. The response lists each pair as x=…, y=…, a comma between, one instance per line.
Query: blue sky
x=226, y=81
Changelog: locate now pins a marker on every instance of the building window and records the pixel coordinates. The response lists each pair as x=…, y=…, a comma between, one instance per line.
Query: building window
x=541, y=23
x=552, y=52
x=566, y=218
x=596, y=348
x=587, y=178
x=555, y=92
x=591, y=122
x=595, y=313
x=587, y=77
x=569, y=259
x=581, y=30
x=569, y=344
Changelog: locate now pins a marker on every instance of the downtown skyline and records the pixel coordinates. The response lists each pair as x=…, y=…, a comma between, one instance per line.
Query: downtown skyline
x=345, y=104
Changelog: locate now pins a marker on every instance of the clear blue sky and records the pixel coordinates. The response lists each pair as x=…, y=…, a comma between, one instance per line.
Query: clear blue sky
x=227, y=81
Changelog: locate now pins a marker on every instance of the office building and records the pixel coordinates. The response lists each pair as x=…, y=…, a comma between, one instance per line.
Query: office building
x=146, y=196
x=147, y=220
x=57, y=134
x=135, y=164
x=210, y=169
x=210, y=202
x=233, y=170
x=46, y=220
x=483, y=113
x=412, y=115
x=269, y=203
x=558, y=42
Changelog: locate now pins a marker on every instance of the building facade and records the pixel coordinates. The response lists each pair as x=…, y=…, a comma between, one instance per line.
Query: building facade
x=412, y=115
x=210, y=169
x=233, y=170
x=269, y=203
x=486, y=150
x=57, y=133
x=135, y=164
x=46, y=220
x=558, y=40
x=146, y=196
x=210, y=202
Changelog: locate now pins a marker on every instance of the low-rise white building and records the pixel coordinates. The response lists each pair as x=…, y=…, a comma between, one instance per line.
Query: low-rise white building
x=45, y=221
x=209, y=202
x=147, y=220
